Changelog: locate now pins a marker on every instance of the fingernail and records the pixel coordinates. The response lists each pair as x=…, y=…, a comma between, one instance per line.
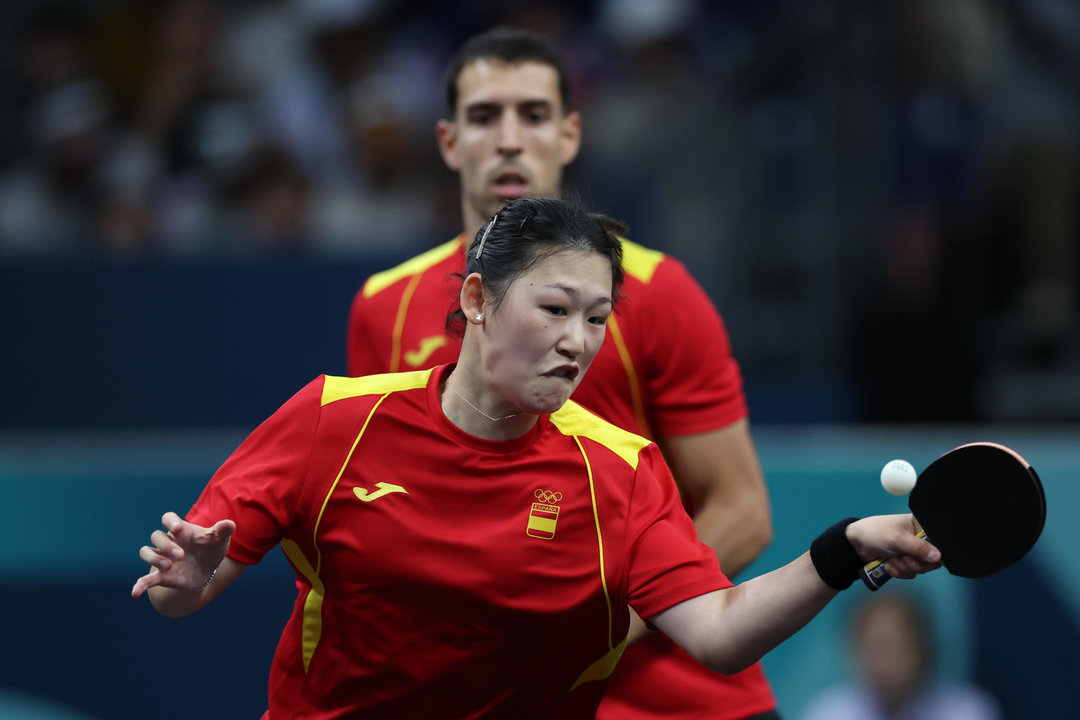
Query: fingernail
x=933, y=556
x=177, y=553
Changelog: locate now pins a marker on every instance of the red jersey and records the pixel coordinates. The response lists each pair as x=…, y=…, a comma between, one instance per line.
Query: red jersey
x=444, y=575
x=665, y=369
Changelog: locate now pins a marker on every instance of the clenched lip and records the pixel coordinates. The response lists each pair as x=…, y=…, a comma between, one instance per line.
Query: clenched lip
x=569, y=372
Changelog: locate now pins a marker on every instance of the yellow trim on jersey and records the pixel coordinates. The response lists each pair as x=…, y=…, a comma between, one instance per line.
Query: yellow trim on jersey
x=413, y=269
x=599, y=535
x=311, y=625
x=572, y=419
x=631, y=375
x=602, y=668
x=640, y=262
x=311, y=619
x=399, y=322
x=382, y=280
x=341, y=388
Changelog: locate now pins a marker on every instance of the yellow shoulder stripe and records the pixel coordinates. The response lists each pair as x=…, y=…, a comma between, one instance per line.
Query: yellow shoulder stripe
x=572, y=419
x=380, y=281
x=339, y=388
x=640, y=262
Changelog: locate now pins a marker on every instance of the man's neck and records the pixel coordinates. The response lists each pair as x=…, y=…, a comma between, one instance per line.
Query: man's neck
x=469, y=235
x=473, y=222
x=467, y=238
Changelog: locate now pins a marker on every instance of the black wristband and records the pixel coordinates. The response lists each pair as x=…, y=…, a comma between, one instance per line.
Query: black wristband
x=834, y=558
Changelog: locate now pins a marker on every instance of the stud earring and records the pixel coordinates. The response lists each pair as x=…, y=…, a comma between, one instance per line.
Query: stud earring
x=479, y=317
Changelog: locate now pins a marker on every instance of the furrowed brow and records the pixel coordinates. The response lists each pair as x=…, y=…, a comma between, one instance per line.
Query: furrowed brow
x=572, y=291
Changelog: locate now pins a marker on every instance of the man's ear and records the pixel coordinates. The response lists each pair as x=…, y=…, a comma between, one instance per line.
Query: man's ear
x=472, y=297
x=446, y=135
x=571, y=137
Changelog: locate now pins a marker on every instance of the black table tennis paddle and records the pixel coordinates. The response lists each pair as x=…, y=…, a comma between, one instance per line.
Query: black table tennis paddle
x=982, y=505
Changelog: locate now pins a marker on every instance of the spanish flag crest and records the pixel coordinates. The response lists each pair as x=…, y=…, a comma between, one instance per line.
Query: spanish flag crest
x=544, y=515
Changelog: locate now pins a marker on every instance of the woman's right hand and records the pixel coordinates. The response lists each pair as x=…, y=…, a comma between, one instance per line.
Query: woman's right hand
x=185, y=556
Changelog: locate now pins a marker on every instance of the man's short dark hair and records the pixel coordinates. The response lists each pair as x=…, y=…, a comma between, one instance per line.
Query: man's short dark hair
x=512, y=46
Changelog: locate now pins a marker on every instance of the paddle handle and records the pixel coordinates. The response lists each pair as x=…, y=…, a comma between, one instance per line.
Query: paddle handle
x=873, y=573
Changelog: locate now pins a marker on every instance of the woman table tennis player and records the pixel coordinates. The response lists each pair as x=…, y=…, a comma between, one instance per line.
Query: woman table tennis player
x=466, y=540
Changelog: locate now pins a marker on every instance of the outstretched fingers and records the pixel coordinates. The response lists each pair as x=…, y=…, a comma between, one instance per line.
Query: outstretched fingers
x=165, y=545
x=160, y=557
x=147, y=581
x=219, y=532
x=183, y=559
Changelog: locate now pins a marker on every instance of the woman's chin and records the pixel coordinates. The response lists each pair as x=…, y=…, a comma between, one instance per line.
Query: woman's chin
x=549, y=404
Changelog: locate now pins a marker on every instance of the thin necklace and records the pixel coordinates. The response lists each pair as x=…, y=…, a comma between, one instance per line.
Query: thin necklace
x=492, y=419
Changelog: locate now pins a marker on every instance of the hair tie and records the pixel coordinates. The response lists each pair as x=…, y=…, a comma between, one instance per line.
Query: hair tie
x=483, y=238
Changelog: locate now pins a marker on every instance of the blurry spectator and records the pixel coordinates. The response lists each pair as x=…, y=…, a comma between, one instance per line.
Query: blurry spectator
x=979, y=260
x=305, y=108
x=267, y=207
x=926, y=289
x=769, y=140
x=47, y=200
x=1030, y=217
x=893, y=654
x=660, y=160
x=350, y=116
x=186, y=129
x=386, y=197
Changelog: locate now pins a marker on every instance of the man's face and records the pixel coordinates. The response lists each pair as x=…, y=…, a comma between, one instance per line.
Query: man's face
x=509, y=137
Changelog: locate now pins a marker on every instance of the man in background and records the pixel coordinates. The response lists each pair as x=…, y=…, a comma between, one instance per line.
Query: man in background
x=665, y=370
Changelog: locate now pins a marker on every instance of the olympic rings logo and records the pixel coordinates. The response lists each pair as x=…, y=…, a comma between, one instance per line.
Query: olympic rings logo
x=547, y=496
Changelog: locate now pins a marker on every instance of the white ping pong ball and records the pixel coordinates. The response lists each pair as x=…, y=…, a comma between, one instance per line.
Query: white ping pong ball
x=898, y=477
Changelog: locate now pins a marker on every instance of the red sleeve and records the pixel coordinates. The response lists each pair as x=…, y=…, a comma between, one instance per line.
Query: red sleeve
x=365, y=353
x=692, y=381
x=668, y=564
x=259, y=486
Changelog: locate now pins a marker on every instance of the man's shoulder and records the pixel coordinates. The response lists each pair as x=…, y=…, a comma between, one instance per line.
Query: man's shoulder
x=444, y=253
x=641, y=263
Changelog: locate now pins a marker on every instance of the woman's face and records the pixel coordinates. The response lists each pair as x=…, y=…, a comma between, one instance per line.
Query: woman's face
x=543, y=336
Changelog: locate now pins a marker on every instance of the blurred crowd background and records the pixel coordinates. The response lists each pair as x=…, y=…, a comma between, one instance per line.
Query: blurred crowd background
x=882, y=198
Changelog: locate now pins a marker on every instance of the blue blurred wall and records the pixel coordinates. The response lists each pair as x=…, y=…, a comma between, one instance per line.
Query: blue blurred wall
x=96, y=343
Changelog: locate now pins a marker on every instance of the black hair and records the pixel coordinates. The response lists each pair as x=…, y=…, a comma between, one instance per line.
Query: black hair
x=528, y=230
x=512, y=46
